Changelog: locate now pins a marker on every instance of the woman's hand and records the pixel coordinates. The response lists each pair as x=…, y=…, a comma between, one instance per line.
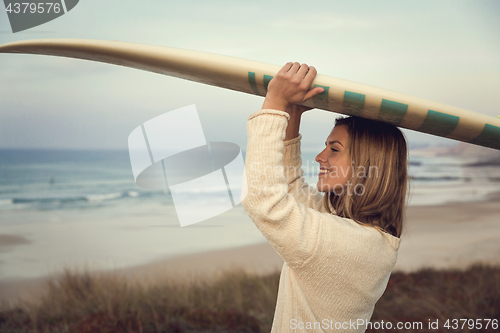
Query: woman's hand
x=290, y=86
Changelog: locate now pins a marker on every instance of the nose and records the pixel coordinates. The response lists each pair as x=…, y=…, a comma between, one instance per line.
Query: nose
x=319, y=158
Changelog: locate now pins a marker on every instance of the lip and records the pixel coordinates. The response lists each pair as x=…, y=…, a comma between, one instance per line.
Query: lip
x=323, y=173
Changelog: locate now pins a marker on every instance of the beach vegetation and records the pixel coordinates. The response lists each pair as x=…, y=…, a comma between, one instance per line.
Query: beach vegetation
x=237, y=301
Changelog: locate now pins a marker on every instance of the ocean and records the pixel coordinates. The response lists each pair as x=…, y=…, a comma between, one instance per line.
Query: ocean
x=79, y=206
x=102, y=183
x=87, y=182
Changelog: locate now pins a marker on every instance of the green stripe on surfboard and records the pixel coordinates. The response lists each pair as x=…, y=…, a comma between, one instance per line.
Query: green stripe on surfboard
x=488, y=137
x=267, y=79
x=354, y=102
x=392, y=112
x=253, y=84
x=321, y=100
x=439, y=123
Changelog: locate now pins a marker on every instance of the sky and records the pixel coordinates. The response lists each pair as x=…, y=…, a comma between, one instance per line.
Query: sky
x=445, y=51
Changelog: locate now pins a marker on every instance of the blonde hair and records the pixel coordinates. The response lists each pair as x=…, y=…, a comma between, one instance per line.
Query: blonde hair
x=377, y=188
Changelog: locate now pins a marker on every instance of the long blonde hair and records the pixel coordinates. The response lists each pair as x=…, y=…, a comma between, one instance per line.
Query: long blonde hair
x=377, y=188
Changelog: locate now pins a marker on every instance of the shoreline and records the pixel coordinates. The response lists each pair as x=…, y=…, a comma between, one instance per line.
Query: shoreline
x=260, y=259
x=452, y=235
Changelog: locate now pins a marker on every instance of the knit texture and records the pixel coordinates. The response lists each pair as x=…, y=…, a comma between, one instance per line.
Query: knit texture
x=335, y=269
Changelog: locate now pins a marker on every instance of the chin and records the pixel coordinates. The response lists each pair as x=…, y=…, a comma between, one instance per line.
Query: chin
x=321, y=188
x=326, y=188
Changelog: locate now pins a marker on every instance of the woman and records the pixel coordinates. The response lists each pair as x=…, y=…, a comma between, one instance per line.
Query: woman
x=339, y=241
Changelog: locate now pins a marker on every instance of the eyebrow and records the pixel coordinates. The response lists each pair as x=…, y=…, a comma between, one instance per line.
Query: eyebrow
x=332, y=142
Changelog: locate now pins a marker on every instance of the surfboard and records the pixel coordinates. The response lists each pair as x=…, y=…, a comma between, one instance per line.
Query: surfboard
x=341, y=96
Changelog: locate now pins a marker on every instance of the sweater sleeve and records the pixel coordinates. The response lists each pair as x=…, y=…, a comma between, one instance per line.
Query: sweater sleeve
x=292, y=163
x=289, y=226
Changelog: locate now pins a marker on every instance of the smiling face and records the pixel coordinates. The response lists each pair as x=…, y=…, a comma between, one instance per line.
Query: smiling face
x=334, y=162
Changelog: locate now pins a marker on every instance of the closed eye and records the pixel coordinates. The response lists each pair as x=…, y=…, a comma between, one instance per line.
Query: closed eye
x=333, y=149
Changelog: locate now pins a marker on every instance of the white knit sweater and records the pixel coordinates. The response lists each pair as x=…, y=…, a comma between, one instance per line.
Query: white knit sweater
x=335, y=269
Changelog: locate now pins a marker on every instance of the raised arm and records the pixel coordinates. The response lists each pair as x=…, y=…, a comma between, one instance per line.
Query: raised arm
x=292, y=161
x=289, y=226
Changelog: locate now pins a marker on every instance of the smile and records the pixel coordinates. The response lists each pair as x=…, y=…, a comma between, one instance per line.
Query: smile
x=323, y=172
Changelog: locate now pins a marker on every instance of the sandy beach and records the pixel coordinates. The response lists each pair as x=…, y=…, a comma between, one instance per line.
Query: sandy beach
x=441, y=236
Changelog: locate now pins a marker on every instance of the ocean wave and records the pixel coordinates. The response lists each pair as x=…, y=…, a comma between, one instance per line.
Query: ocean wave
x=103, y=197
x=73, y=199
x=133, y=194
x=204, y=190
x=440, y=178
x=495, y=161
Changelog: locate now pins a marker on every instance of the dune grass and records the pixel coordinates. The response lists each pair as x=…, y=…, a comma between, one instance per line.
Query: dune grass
x=430, y=295
x=80, y=302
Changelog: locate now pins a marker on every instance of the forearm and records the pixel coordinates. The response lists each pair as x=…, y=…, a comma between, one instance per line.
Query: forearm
x=292, y=129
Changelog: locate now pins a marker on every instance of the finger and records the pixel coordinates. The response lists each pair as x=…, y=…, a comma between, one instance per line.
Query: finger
x=302, y=71
x=295, y=67
x=311, y=74
x=313, y=92
x=287, y=67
